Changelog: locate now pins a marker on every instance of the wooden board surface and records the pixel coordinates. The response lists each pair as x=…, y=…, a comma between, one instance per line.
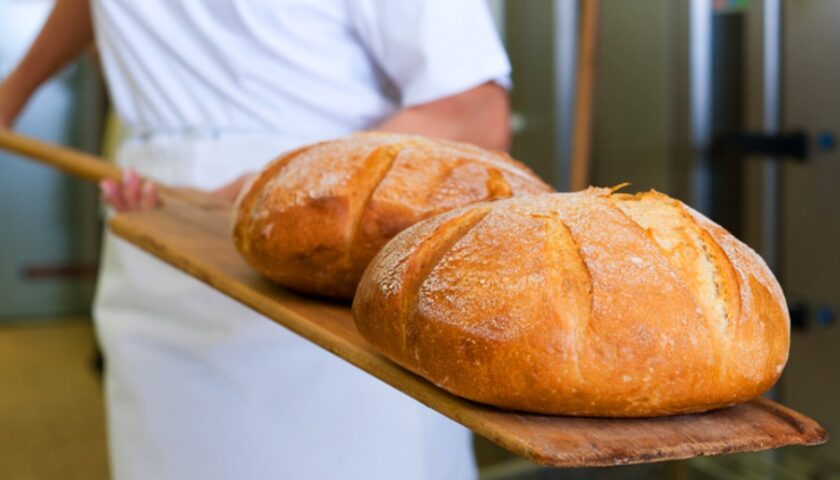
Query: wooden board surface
x=196, y=240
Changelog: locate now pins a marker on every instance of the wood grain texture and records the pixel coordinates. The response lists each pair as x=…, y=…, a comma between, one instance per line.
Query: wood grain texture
x=74, y=162
x=585, y=95
x=94, y=169
x=197, y=241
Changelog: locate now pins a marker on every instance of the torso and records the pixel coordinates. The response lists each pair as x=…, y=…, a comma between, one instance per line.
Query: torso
x=289, y=66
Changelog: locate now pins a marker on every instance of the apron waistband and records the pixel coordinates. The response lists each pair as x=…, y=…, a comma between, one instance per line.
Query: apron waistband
x=200, y=158
x=140, y=134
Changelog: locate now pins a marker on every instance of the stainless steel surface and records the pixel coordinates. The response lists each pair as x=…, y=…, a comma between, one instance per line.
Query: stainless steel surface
x=810, y=208
x=772, y=100
x=566, y=13
x=700, y=71
x=645, y=133
x=541, y=38
x=530, y=33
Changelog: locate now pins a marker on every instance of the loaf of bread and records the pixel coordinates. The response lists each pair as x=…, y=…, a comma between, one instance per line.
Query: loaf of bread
x=588, y=303
x=314, y=218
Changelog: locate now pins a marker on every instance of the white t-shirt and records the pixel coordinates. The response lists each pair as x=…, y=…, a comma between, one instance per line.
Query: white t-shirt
x=303, y=68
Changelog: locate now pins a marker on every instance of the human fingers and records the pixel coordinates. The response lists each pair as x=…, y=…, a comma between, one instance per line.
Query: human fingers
x=111, y=194
x=148, y=196
x=130, y=190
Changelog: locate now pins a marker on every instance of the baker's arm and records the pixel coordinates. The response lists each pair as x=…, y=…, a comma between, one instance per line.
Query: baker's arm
x=66, y=34
x=478, y=116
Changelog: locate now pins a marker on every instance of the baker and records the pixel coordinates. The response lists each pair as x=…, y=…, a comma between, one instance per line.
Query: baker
x=197, y=385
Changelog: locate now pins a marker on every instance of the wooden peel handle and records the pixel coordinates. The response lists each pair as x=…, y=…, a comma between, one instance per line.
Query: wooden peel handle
x=80, y=164
x=95, y=169
x=584, y=98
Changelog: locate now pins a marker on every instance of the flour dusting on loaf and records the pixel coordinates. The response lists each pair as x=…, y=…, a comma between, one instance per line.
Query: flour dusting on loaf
x=590, y=303
x=315, y=217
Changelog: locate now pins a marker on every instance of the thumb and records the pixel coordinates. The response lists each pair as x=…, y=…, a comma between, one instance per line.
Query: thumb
x=148, y=195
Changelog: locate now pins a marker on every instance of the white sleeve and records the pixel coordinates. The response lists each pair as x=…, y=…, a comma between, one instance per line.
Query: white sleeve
x=432, y=49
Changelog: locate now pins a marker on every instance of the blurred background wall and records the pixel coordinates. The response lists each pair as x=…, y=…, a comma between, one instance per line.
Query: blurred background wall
x=703, y=132
x=50, y=220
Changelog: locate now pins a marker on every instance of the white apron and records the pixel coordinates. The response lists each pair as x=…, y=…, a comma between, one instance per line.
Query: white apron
x=201, y=387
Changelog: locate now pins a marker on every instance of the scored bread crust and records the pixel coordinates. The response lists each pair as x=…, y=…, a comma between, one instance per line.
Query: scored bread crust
x=589, y=303
x=314, y=218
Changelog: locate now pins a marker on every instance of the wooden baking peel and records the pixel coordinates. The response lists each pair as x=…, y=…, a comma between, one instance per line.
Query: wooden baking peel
x=190, y=231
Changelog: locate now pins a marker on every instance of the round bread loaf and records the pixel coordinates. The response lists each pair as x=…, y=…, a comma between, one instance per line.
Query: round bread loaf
x=589, y=303
x=314, y=218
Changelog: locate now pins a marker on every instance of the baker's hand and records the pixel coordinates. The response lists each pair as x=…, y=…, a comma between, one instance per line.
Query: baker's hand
x=133, y=193
x=230, y=191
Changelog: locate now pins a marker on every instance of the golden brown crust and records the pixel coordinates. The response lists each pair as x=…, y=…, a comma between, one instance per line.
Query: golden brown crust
x=578, y=304
x=314, y=218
